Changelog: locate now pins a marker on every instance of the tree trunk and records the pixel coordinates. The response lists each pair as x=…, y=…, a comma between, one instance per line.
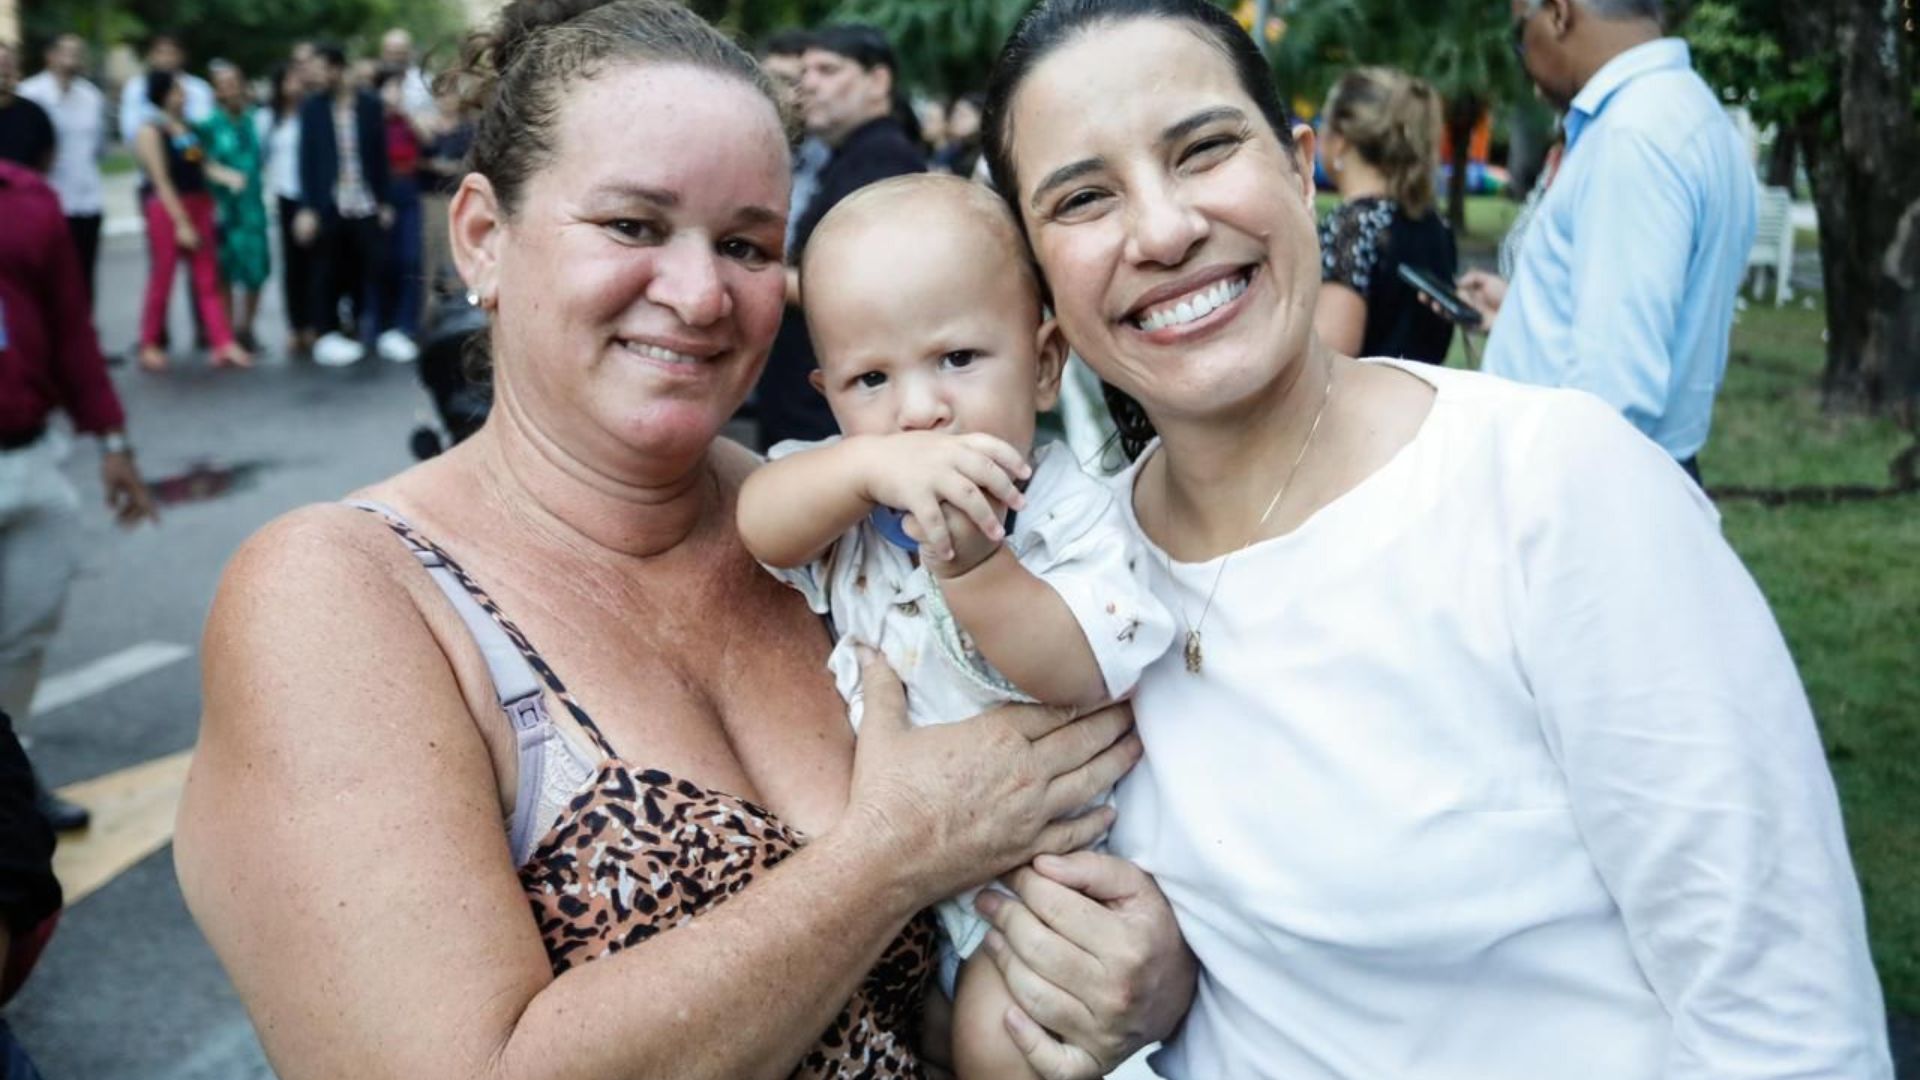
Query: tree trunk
x=1462, y=112
x=1862, y=148
x=1783, y=157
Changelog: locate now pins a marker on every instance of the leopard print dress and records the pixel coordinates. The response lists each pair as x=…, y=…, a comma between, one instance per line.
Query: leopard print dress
x=638, y=852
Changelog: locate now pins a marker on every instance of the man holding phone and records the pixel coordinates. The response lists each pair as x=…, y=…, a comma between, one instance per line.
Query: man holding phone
x=1626, y=279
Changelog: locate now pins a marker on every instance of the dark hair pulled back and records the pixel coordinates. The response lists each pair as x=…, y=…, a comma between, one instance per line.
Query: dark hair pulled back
x=514, y=76
x=1052, y=24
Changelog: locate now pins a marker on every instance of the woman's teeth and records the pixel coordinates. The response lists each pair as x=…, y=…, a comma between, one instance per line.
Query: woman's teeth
x=1197, y=306
x=665, y=356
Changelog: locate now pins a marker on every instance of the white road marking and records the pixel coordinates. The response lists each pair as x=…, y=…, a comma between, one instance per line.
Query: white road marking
x=106, y=673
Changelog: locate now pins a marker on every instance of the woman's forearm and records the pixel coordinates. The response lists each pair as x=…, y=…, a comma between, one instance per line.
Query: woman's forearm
x=741, y=991
x=793, y=509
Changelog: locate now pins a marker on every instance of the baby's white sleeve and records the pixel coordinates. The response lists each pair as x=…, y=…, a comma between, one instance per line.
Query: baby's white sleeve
x=813, y=580
x=1087, y=552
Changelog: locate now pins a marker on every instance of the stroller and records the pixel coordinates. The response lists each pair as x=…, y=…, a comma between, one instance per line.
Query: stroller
x=460, y=400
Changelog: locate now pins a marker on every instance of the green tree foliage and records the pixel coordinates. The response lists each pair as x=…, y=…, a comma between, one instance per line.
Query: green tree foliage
x=1461, y=48
x=945, y=48
x=1736, y=46
x=750, y=21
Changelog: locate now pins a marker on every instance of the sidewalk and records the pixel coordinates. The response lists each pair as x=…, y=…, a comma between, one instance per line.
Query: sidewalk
x=120, y=192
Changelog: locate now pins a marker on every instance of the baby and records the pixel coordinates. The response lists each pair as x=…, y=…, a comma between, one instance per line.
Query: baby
x=935, y=354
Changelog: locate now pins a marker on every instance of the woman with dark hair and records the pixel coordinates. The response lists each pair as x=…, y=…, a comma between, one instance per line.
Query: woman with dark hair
x=179, y=213
x=1483, y=757
x=1378, y=137
x=675, y=863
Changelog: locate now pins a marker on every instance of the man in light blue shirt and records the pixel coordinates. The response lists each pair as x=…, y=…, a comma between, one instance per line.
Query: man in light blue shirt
x=1626, y=279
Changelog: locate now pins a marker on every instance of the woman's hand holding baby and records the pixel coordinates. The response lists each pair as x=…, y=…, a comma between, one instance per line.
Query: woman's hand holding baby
x=923, y=473
x=956, y=804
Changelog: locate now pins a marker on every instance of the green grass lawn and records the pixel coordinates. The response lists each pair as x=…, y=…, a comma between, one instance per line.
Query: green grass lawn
x=1844, y=582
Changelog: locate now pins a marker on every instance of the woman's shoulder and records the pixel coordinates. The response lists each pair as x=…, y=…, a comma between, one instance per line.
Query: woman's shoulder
x=330, y=556
x=1549, y=439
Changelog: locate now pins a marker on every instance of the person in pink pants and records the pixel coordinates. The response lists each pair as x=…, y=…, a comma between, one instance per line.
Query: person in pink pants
x=179, y=213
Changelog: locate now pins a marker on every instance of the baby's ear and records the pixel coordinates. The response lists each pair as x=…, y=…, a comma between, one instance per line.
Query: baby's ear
x=1050, y=362
x=817, y=381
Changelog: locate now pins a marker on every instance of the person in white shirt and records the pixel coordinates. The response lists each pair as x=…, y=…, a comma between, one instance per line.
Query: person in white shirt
x=164, y=53
x=79, y=113
x=1482, y=756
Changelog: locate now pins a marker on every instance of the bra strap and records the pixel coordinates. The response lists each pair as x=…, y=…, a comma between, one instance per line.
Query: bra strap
x=516, y=685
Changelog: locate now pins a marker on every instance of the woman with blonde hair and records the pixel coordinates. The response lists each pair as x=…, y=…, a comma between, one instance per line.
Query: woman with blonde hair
x=1378, y=143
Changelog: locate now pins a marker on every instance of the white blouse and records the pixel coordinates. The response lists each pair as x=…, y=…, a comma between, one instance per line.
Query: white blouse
x=1498, y=769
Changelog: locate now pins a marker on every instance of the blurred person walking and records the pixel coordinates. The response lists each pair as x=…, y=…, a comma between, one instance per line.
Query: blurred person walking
x=49, y=362
x=1626, y=281
x=406, y=133
x=26, y=132
x=343, y=206
x=233, y=142
x=848, y=88
x=79, y=113
x=291, y=84
x=178, y=207
x=165, y=52
x=1379, y=142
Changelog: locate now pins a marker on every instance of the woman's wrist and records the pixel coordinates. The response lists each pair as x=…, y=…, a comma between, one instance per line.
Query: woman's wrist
x=878, y=856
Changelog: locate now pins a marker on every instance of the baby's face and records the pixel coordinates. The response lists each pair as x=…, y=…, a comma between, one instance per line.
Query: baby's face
x=929, y=325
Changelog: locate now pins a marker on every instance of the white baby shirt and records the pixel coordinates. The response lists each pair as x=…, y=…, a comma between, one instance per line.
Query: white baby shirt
x=1073, y=535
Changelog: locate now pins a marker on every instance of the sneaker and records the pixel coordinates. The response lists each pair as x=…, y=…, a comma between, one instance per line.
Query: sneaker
x=397, y=347
x=338, y=350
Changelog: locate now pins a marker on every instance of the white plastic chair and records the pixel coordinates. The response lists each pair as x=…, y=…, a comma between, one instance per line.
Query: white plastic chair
x=1773, y=242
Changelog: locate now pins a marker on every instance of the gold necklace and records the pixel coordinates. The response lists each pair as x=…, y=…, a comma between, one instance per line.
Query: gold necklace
x=1192, y=650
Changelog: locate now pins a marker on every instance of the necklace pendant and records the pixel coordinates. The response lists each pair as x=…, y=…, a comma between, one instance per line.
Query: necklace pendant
x=1193, y=652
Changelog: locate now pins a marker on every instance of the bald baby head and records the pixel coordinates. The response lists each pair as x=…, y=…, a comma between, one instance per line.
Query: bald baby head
x=929, y=212
x=926, y=313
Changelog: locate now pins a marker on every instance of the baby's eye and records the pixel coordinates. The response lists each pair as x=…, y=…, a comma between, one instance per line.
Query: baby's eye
x=960, y=358
x=871, y=380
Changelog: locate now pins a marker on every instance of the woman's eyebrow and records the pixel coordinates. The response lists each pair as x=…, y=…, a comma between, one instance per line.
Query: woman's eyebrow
x=1183, y=128
x=1066, y=174
x=620, y=192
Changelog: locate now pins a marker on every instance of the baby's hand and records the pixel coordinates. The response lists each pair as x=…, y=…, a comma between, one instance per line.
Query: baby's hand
x=969, y=545
x=921, y=473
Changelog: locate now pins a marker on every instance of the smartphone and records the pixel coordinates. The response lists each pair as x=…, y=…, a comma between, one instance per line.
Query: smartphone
x=1456, y=309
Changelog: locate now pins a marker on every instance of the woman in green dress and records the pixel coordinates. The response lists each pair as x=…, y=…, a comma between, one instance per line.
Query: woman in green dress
x=232, y=138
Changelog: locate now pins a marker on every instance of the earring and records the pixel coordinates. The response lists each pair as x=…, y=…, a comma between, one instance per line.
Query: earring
x=473, y=298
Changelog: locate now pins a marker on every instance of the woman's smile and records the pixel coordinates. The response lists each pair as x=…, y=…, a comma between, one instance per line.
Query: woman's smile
x=1194, y=308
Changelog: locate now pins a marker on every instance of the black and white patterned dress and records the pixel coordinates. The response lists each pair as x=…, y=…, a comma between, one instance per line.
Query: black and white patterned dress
x=1363, y=243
